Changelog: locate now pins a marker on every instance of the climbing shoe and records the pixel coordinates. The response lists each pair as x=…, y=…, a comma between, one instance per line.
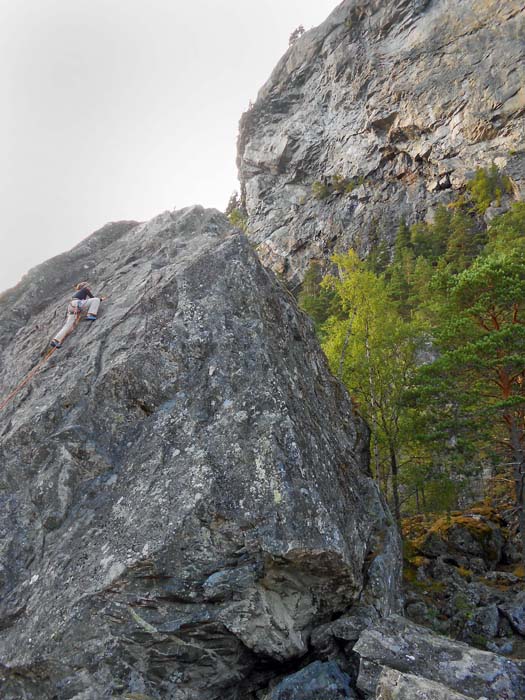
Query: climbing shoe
x=91, y=317
x=55, y=344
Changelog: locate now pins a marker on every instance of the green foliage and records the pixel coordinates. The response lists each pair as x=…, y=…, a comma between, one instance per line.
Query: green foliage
x=465, y=240
x=379, y=257
x=430, y=240
x=320, y=190
x=476, y=386
x=237, y=219
x=338, y=184
x=373, y=350
x=236, y=213
x=353, y=183
x=506, y=233
x=403, y=240
x=233, y=203
x=429, y=339
x=317, y=301
x=487, y=186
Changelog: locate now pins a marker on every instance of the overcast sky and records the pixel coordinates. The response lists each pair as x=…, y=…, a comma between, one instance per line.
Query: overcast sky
x=120, y=109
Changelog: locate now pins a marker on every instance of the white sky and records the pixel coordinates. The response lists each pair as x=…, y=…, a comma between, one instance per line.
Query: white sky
x=120, y=109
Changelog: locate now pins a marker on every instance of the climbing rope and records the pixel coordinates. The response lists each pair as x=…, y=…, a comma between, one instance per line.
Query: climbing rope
x=27, y=379
x=32, y=373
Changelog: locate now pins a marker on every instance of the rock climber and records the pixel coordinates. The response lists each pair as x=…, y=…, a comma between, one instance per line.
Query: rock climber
x=82, y=303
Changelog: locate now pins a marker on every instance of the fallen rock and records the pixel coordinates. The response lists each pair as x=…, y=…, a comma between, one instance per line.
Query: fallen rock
x=394, y=685
x=455, y=592
x=514, y=611
x=318, y=681
x=469, y=536
x=410, y=649
x=347, y=628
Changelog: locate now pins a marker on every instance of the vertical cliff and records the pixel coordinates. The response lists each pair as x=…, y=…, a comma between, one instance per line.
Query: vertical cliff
x=381, y=112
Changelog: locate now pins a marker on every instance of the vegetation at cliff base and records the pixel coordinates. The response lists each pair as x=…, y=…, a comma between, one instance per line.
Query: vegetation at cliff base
x=431, y=346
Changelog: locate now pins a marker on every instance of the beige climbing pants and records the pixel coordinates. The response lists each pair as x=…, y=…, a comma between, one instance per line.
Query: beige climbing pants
x=75, y=309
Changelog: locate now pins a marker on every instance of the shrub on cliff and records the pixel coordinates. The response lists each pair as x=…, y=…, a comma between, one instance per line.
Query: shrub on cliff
x=487, y=186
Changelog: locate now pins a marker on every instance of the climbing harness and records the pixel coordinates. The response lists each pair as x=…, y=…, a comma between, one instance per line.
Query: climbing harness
x=32, y=373
x=75, y=306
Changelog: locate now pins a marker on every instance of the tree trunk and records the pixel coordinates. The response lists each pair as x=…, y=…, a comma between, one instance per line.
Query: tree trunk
x=373, y=407
x=344, y=349
x=395, y=485
x=516, y=441
x=384, y=481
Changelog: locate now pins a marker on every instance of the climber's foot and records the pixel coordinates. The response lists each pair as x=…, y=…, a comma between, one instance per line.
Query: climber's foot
x=55, y=344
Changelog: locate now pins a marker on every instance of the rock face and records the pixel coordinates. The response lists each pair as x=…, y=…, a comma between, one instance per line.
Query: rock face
x=184, y=489
x=397, y=101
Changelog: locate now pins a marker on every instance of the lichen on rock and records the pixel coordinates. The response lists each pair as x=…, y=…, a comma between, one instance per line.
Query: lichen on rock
x=185, y=486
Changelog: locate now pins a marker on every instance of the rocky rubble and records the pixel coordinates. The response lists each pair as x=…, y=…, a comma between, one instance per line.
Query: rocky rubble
x=426, y=665
x=378, y=114
x=184, y=487
x=463, y=578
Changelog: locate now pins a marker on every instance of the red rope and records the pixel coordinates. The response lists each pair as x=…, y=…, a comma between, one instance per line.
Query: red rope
x=32, y=373
x=26, y=380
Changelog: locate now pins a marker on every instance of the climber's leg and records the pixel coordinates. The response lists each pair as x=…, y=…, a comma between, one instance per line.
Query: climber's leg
x=91, y=308
x=66, y=328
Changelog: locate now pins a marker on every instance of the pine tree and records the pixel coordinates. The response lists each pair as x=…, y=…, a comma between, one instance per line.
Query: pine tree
x=318, y=302
x=507, y=232
x=402, y=237
x=400, y=276
x=465, y=241
x=421, y=277
x=430, y=240
x=400, y=271
x=479, y=378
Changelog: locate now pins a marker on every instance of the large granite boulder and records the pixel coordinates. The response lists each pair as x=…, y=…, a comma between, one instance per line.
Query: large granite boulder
x=429, y=664
x=382, y=112
x=184, y=487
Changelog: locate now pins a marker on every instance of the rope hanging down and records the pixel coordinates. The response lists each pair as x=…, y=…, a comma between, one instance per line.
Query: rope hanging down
x=31, y=374
x=27, y=379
